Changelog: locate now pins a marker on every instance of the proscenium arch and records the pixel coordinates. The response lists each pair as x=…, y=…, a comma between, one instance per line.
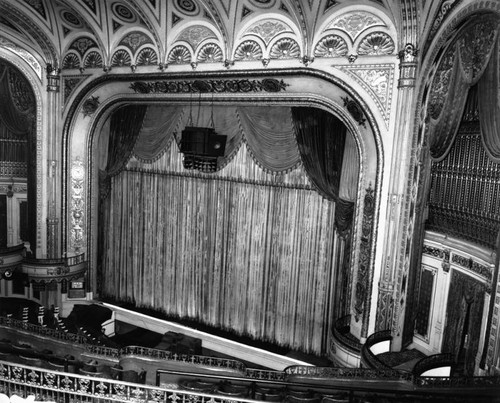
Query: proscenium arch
x=78, y=133
x=36, y=85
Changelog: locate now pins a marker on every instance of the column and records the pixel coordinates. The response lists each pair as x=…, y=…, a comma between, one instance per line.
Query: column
x=390, y=308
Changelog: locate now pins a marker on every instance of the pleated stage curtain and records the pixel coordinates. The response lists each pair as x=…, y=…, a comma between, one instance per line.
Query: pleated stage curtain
x=250, y=248
x=253, y=259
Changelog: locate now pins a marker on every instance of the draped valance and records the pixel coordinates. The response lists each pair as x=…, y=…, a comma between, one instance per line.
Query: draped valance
x=470, y=59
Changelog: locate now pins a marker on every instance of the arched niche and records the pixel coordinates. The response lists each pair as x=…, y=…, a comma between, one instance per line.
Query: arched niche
x=101, y=97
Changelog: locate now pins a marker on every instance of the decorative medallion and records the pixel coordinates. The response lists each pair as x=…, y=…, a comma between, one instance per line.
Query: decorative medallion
x=285, y=48
x=353, y=23
x=195, y=35
x=121, y=58
x=376, y=44
x=71, y=19
x=331, y=46
x=146, y=57
x=188, y=7
x=90, y=106
x=248, y=50
x=71, y=61
x=355, y=111
x=210, y=53
x=268, y=29
x=93, y=60
x=179, y=55
x=217, y=86
x=124, y=13
x=263, y=3
x=81, y=45
x=134, y=40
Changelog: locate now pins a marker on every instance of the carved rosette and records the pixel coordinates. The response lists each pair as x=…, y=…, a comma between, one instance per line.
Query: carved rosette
x=77, y=205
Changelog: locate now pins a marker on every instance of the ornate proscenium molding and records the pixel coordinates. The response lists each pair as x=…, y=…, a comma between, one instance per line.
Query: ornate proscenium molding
x=49, y=270
x=407, y=66
x=355, y=110
x=243, y=85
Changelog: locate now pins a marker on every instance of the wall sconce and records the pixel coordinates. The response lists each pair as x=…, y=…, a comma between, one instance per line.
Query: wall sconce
x=10, y=189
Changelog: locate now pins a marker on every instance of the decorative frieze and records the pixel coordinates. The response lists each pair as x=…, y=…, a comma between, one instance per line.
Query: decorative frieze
x=470, y=264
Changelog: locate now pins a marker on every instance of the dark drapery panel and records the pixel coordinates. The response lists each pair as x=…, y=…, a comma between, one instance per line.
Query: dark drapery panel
x=321, y=137
x=16, y=114
x=461, y=67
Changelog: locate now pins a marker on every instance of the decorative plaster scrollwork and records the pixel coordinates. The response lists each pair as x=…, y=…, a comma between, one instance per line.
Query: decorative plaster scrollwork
x=441, y=83
x=356, y=22
x=23, y=54
x=195, y=35
x=268, y=29
x=77, y=205
x=134, y=40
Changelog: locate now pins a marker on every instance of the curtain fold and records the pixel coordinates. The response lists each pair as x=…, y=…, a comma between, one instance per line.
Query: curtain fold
x=18, y=120
x=321, y=138
x=157, y=131
x=270, y=137
x=489, y=106
x=464, y=63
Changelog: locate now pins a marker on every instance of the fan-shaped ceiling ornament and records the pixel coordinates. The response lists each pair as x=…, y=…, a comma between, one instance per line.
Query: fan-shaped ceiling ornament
x=71, y=61
x=210, y=53
x=354, y=23
x=196, y=34
x=331, y=46
x=121, y=58
x=179, y=55
x=285, y=48
x=375, y=44
x=248, y=50
x=268, y=29
x=147, y=57
x=93, y=60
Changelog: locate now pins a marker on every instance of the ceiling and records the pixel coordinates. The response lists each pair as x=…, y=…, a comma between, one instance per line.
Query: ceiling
x=106, y=33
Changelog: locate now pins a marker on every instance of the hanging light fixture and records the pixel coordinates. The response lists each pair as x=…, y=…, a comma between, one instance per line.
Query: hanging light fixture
x=201, y=146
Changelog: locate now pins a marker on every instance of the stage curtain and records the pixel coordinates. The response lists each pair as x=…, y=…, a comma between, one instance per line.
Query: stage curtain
x=252, y=259
x=321, y=139
x=270, y=136
x=489, y=106
x=157, y=131
x=464, y=63
x=18, y=120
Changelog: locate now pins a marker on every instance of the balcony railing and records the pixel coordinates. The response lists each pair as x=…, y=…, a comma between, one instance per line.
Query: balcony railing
x=432, y=362
x=346, y=339
x=369, y=359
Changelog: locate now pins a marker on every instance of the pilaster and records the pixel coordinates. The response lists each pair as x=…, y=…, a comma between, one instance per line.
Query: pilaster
x=53, y=183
